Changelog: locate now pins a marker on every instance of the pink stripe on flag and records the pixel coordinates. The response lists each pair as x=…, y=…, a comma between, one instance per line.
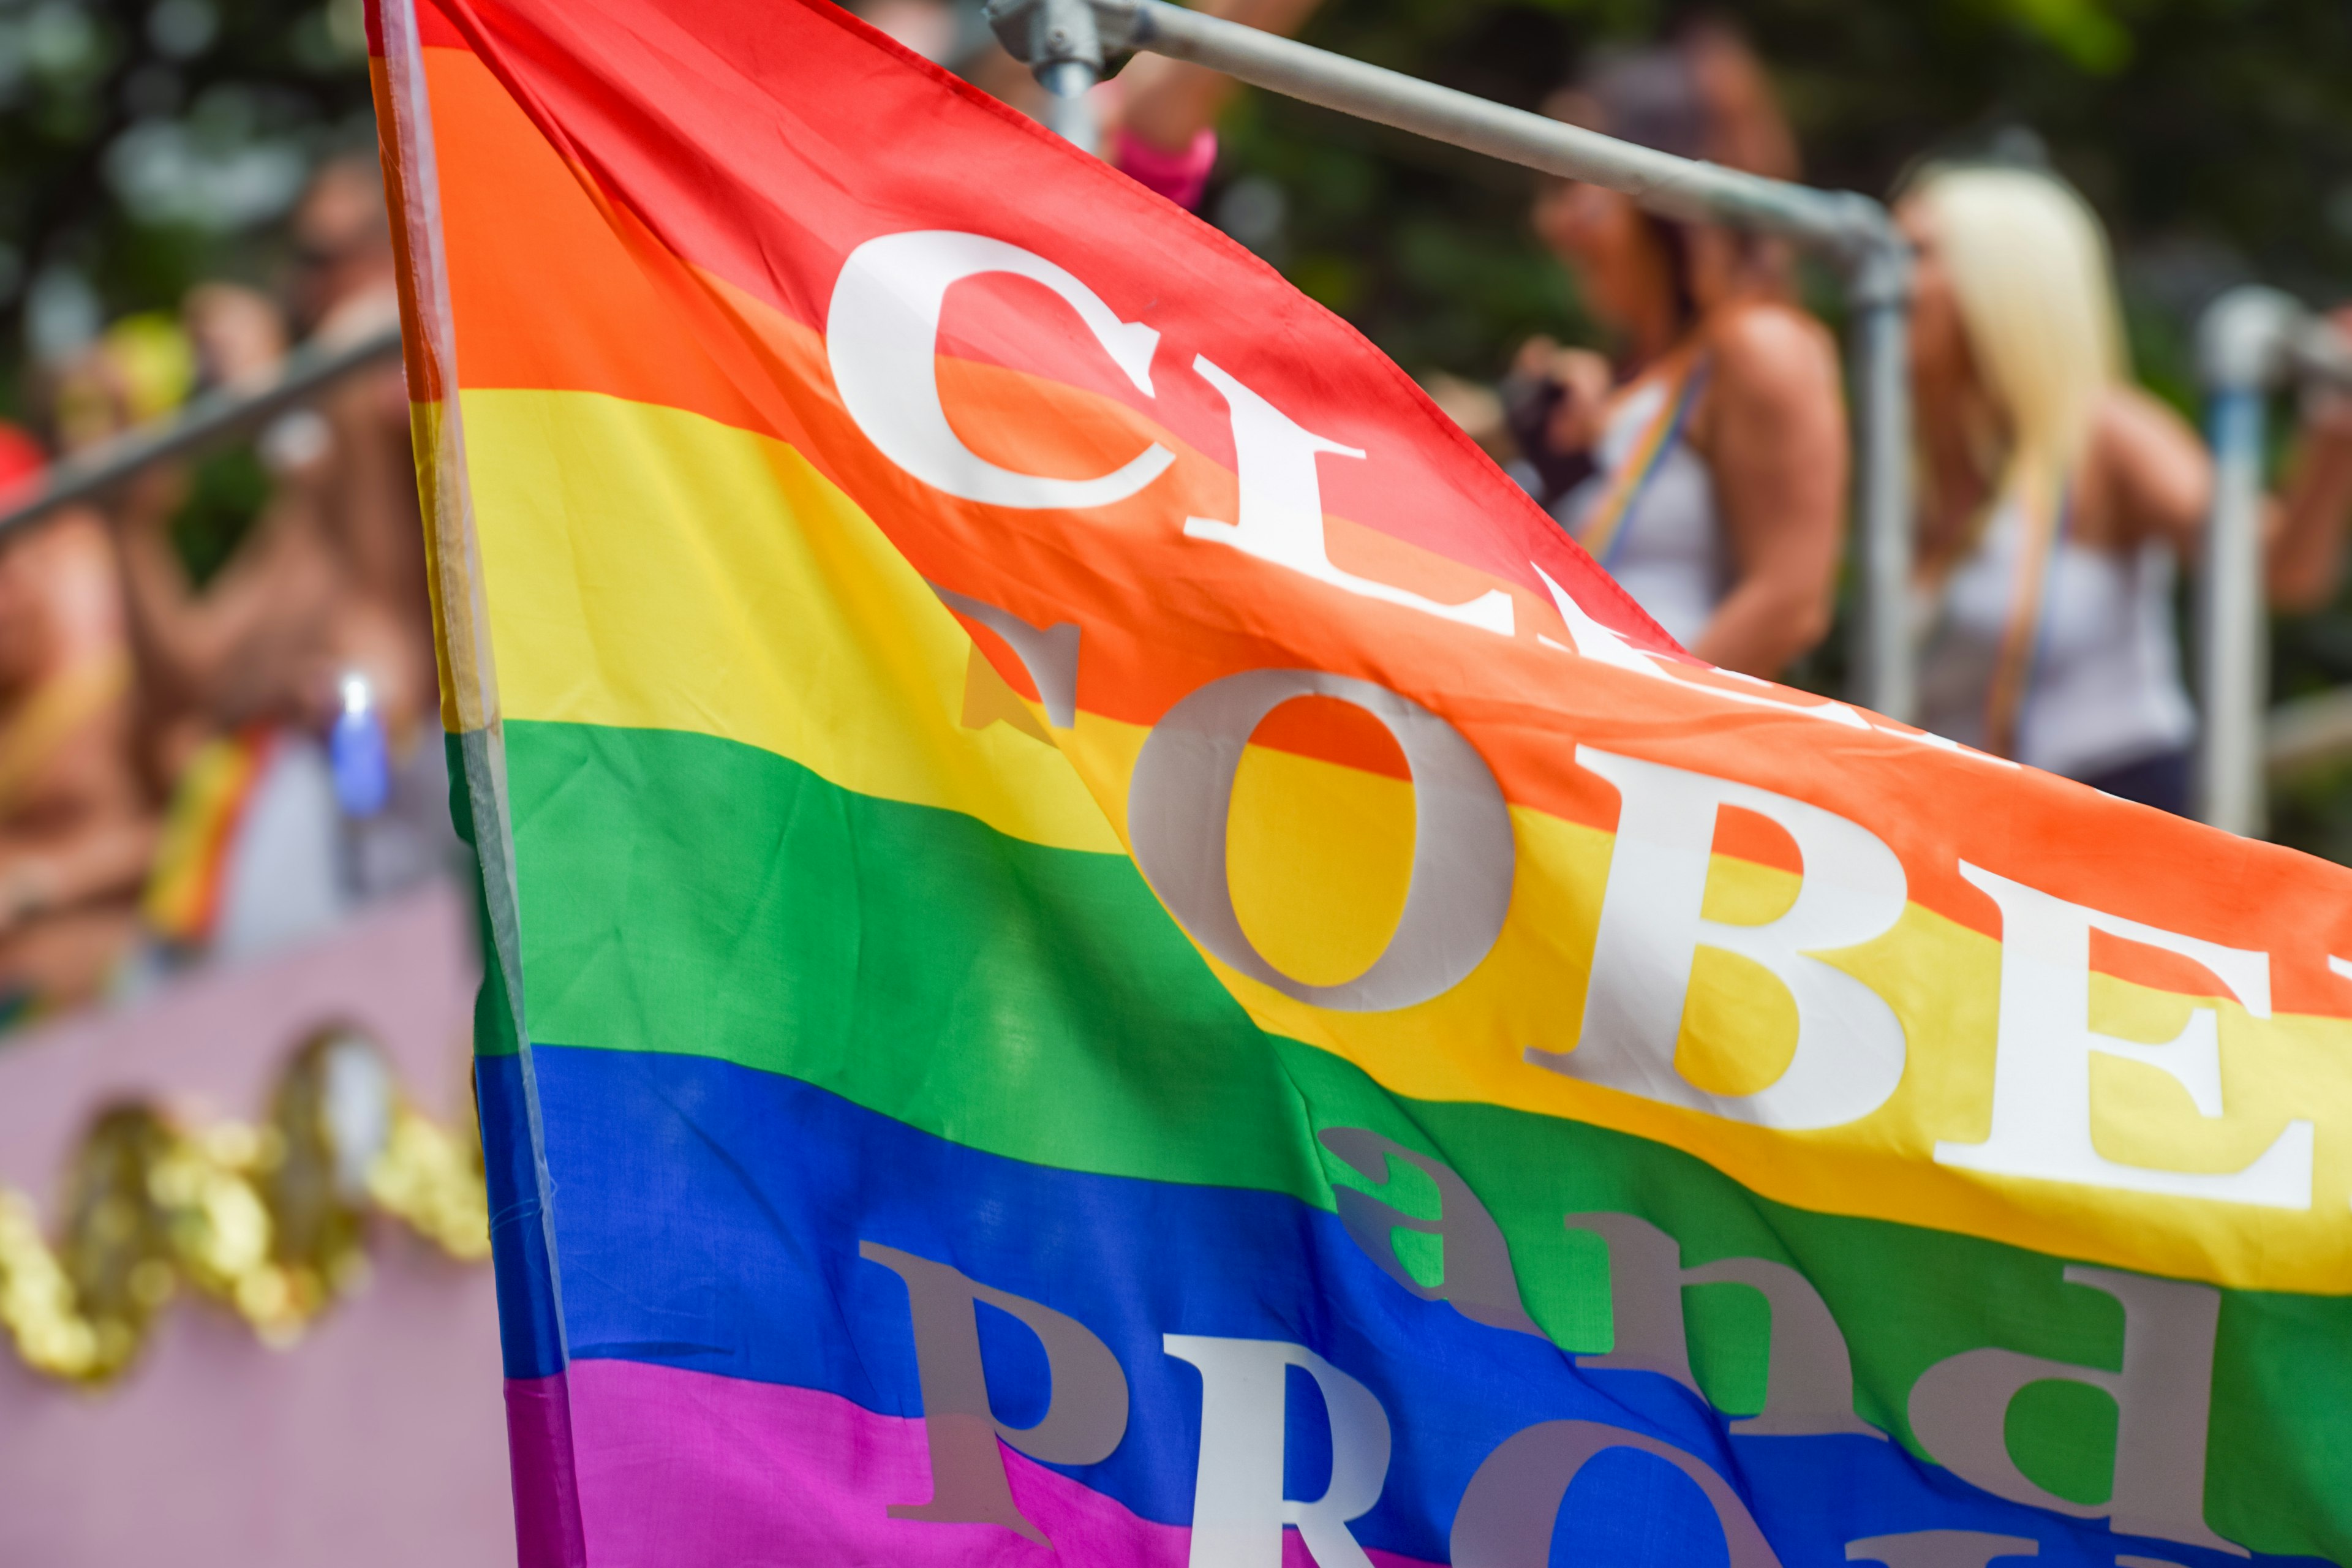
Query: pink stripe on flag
x=687, y=1468
x=539, y=1453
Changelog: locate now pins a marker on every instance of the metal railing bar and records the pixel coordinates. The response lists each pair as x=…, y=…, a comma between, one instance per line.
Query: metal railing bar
x=1067, y=43
x=212, y=418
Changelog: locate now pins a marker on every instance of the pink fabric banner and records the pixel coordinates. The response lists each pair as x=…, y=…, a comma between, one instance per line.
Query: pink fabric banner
x=374, y=1441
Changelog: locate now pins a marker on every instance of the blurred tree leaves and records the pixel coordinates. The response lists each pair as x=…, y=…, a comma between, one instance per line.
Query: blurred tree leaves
x=226, y=491
x=2085, y=31
x=2216, y=136
x=146, y=145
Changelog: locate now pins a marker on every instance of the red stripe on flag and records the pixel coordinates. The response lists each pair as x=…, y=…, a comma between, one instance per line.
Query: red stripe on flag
x=748, y=144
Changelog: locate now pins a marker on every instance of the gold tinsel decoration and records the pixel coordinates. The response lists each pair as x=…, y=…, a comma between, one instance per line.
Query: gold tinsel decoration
x=270, y=1220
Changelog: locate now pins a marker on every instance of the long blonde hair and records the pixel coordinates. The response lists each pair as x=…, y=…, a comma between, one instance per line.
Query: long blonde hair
x=2031, y=270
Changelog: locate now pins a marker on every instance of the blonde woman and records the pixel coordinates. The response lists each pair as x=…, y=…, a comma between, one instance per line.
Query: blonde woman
x=2057, y=497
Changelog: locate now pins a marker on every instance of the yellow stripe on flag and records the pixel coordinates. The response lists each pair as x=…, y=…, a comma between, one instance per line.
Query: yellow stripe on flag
x=656, y=569
x=1941, y=978
x=653, y=568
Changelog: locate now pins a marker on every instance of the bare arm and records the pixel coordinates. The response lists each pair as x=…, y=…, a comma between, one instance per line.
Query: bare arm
x=95, y=860
x=1776, y=442
x=73, y=817
x=2160, y=474
x=166, y=626
x=190, y=644
x=1168, y=102
x=373, y=489
x=2304, y=533
x=2164, y=487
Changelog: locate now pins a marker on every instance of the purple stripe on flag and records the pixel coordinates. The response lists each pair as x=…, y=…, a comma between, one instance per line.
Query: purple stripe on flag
x=546, y=1487
x=685, y=1466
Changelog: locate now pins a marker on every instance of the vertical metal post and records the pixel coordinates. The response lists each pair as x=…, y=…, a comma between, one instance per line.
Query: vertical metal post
x=1884, y=656
x=1849, y=227
x=2242, y=340
x=1062, y=40
x=1072, y=113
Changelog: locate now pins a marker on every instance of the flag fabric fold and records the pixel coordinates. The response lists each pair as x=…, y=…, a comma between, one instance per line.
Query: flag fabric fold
x=1105, y=947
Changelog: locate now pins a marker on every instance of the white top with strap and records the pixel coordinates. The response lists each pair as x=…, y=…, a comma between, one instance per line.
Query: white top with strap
x=1669, y=553
x=2104, y=690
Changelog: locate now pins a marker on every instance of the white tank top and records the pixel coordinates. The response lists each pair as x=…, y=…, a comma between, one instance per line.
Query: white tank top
x=1669, y=549
x=2106, y=689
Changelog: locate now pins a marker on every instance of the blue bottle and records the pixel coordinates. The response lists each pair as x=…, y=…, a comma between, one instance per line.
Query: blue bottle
x=358, y=753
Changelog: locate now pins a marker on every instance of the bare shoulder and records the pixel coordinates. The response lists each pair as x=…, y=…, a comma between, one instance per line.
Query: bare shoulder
x=1774, y=362
x=2133, y=417
x=2153, y=462
x=1766, y=347
x=1767, y=331
x=2139, y=438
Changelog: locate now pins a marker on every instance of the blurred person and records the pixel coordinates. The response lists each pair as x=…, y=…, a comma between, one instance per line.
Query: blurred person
x=233, y=867
x=295, y=691
x=1162, y=127
x=1746, y=129
x=2057, y=497
x=75, y=823
x=380, y=706
x=1157, y=117
x=237, y=335
x=331, y=578
x=140, y=369
x=932, y=28
x=76, y=830
x=1478, y=409
x=1705, y=465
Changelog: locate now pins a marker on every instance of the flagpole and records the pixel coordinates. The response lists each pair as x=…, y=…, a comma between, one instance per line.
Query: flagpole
x=1063, y=40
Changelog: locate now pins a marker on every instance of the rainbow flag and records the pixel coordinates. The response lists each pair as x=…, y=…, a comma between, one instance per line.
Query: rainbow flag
x=1107, y=948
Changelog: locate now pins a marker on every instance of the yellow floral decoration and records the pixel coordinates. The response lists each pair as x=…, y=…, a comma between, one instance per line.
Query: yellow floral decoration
x=271, y=1220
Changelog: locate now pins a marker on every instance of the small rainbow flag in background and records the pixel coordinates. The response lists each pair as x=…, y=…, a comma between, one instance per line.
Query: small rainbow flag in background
x=1108, y=950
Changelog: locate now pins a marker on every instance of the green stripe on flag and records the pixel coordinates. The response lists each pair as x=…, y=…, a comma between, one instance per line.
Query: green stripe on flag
x=687, y=894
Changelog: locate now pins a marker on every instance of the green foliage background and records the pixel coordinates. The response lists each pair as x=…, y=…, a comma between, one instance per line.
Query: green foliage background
x=147, y=143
